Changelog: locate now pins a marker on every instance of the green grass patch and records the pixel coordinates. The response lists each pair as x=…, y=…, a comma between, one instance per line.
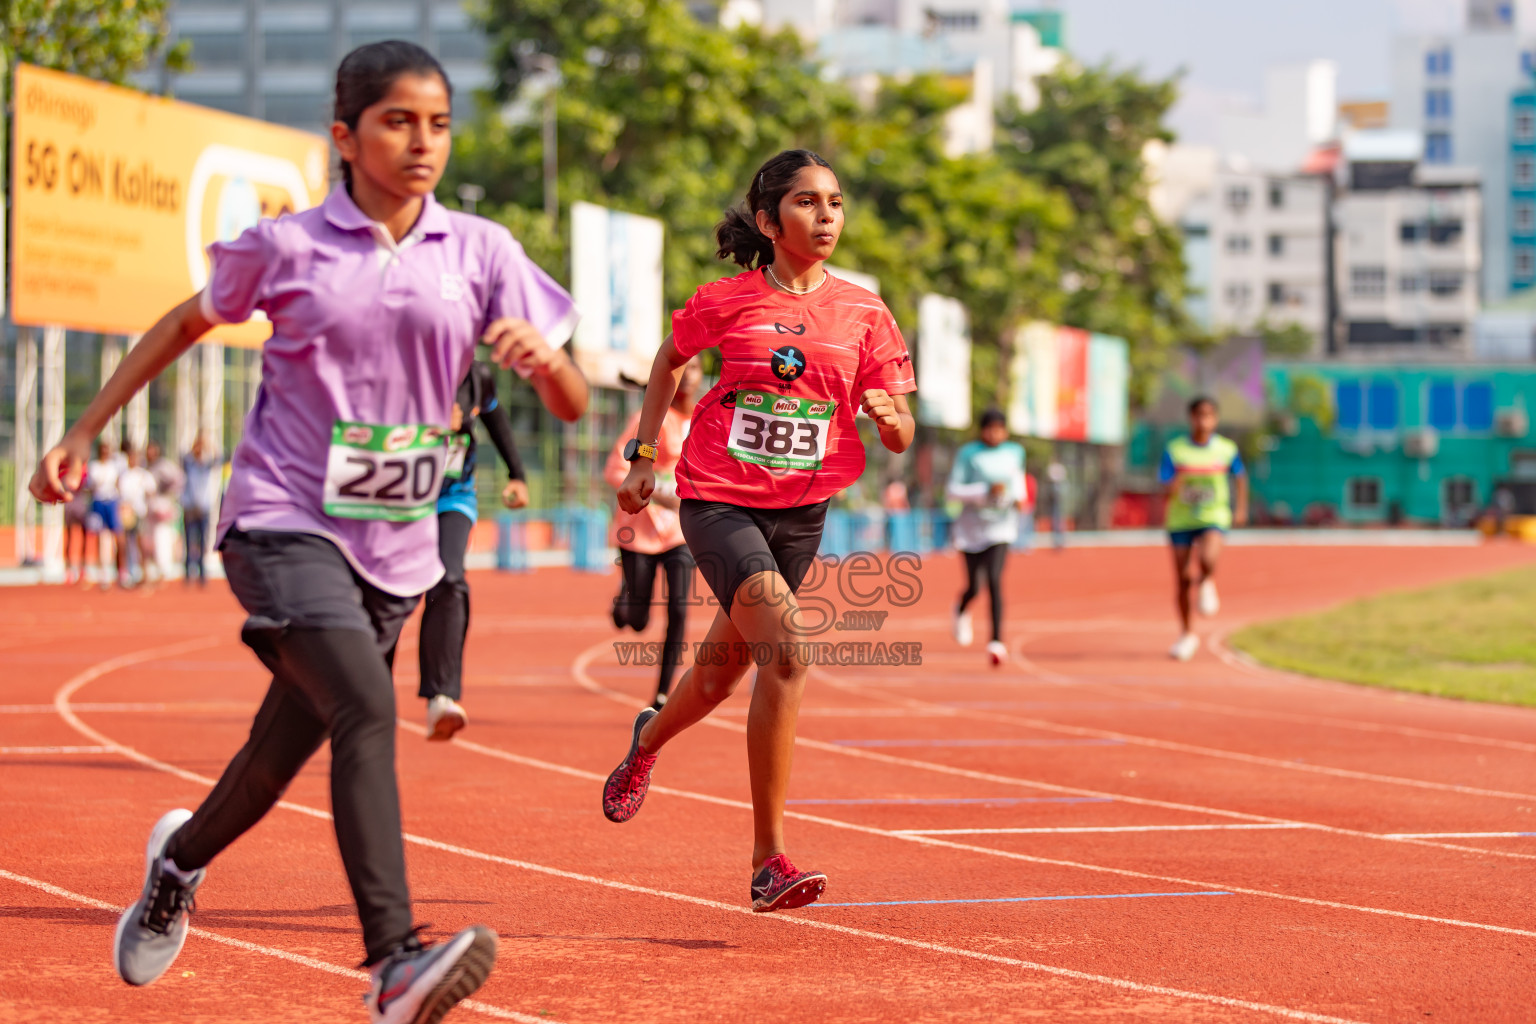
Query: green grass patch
x=1473, y=640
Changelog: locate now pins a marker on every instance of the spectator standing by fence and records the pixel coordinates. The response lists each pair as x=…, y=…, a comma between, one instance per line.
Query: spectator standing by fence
x=1056, y=487
x=136, y=488
x=169, y=481
x=101, y=480
x=197, y=467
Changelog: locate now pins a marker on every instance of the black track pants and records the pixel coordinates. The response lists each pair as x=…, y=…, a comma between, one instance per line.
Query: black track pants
x=986, y=563
x=635, y=602
x=445, y=617
x=328, y=638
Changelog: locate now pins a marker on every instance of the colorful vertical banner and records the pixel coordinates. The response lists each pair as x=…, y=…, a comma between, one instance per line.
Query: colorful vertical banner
x=616, y=282
x=1109, y=371
x=1068, y=385
x=1071, y=384
x=943, y=363
x=1032, y=402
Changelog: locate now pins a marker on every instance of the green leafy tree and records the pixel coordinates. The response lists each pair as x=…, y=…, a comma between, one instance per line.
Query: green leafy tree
x=658, y=115
x=108, y=40
x=661, y=115
x=1123, y=270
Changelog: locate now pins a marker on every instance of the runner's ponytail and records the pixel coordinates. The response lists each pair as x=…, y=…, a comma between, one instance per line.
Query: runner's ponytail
x=737, y=235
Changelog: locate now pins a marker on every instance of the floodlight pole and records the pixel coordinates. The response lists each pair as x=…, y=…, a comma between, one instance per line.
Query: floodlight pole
x=551, y=156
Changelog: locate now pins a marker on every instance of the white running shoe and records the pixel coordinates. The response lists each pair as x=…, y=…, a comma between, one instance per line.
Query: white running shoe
x=151, y=932
x=963, y=633
x=1210, y=601
x=1186, y=647
x=997, y=652
x=419, y=986
x=445, y=716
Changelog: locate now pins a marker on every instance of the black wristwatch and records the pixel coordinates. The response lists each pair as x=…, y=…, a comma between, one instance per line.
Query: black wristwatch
x=635, y=450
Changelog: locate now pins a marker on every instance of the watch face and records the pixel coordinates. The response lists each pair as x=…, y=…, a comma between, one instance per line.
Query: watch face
x=631, y=448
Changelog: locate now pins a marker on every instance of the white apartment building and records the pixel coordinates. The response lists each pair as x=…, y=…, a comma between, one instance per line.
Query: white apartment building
x=1257, y=249
x=1408, y=255
x=1455, y=90
x=1300, y=113
x=857, y=37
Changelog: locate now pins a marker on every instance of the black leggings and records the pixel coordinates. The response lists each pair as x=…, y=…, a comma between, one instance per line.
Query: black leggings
x=328, y=637
x=634, y=602
x=988, y=562
x=445, y=617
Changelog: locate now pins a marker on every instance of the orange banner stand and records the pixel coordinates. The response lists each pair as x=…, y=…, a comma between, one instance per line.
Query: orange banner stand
x=115, y=195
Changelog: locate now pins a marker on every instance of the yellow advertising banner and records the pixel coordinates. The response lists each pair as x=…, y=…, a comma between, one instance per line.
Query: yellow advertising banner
x=115, y=195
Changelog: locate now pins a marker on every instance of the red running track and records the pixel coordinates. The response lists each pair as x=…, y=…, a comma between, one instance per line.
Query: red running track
x=1092, y=832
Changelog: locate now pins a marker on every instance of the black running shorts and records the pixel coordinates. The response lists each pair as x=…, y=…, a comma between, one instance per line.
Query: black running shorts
x=732, y=543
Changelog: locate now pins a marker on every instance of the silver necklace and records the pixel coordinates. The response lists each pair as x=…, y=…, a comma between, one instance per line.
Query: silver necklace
x=796, y=291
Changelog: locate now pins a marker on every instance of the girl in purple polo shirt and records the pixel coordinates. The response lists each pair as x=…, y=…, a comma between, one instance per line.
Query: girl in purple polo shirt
x=328, y=529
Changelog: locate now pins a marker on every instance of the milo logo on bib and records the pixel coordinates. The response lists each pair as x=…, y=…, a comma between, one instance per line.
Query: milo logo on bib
x=780, y=432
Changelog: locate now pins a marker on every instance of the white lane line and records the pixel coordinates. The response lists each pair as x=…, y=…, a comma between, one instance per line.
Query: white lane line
x=56, y=750
x=1240, y=661
x=929, y=708
x=586, y=682
x=1460, y=835
x=70, y=687
x=1182, y=748
x=823, y=712
x=1088, y=828
x=252, y=947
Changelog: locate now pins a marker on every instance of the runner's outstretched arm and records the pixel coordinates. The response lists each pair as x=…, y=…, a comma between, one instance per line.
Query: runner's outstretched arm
x=666, y=372
x=59, y=472
x=499, y=426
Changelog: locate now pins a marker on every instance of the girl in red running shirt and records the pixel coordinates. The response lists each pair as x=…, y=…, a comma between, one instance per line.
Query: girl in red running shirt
x=769, y=446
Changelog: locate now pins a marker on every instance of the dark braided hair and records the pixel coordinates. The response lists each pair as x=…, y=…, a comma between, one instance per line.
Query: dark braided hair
x=737, y=233
x=368, y=73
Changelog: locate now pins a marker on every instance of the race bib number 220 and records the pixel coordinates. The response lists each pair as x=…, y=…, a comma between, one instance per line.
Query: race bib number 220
x=779, y=431
x=383, y=472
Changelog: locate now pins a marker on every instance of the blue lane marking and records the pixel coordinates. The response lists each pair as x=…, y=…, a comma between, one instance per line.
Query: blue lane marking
x=979, y=743
x=1025, y=899
x=1059, y=705
x=958, y=801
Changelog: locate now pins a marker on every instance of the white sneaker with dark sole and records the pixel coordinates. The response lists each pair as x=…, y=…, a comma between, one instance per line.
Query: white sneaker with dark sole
x=445, y=716
x=152, y=931
x=997, y=652
x=419, y=986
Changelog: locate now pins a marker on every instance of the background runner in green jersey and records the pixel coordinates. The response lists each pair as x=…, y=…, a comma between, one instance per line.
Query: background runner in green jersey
x=1198, y=474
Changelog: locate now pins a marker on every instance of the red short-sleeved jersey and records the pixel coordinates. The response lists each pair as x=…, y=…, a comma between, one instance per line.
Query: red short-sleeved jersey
x=778, y=430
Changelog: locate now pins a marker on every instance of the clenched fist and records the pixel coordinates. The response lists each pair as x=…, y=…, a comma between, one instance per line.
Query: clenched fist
x=881, y=407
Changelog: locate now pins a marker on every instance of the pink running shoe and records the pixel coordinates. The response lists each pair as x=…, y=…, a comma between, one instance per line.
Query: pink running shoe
x=779, y=885
x=625, y=789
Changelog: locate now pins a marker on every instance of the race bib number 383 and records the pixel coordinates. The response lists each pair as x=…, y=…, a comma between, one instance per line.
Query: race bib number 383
x=779, y=431
x=383, y=472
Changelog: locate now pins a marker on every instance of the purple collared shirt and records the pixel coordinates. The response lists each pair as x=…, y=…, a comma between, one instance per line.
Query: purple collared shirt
x=369, y=330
